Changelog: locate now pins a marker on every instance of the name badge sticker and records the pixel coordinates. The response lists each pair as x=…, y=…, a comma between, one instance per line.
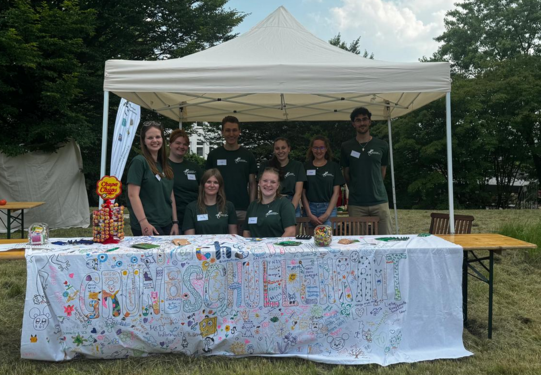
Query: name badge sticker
x=191, y=177
x=252, y=220
x=311, y=172
x=222, y=161
x=203, y=217
x=158, y=177
x=355, y=154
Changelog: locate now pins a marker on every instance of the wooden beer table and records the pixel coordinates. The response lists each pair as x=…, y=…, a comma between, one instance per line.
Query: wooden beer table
x=12, y=207
x=491, y=242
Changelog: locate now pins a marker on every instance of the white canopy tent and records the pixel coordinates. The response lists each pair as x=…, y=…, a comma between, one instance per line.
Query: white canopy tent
x=279, y=71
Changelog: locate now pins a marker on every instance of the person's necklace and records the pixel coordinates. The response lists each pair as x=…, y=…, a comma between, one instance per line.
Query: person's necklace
x=366, y=144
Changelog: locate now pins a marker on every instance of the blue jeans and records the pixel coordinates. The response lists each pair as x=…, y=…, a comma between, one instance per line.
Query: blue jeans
x=318, y=209
x=298, y=209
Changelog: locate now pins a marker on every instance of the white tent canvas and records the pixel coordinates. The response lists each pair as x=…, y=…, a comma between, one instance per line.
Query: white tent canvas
x=278, y=71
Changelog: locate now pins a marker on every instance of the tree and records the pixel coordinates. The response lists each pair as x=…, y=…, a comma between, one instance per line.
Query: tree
x=354, y=47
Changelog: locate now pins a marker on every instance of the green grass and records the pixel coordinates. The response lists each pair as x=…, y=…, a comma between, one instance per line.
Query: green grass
x=514, y=349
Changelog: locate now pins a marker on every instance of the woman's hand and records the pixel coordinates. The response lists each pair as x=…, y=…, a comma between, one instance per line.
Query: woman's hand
x=174, y=230
x=314, y=220
x=148, y=229
x=323, y=218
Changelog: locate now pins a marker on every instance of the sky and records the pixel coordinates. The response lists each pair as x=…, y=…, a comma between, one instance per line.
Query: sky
x=393, y=30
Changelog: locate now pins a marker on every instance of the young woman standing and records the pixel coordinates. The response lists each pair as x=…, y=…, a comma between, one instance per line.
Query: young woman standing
x=324, y=179
x=150, y=186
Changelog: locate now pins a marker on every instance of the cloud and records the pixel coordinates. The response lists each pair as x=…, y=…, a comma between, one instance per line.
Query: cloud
x=388, y=28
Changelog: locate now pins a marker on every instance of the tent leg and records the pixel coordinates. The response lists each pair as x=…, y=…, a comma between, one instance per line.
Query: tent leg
x=450, y=164
x=392, y=174
x=104, y=136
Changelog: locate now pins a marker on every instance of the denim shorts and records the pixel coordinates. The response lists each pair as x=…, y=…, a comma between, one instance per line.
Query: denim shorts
x=318, y=209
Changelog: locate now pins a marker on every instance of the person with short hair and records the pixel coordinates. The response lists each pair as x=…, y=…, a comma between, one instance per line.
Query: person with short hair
x=324, y=179
x=292, y=174
x=270, y=215
x=150, y=186
x=364, y=162
x=187, y=173
x=211, y=213
x=237, y=166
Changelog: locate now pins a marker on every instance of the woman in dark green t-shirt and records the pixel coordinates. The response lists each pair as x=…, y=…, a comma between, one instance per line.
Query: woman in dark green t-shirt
x=150, y=186
x=270, y=215
x=324, y=179
x=292, y=175
x=211, y=213
x=187, y=173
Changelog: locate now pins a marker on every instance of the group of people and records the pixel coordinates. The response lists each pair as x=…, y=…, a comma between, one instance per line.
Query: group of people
x=171, y=195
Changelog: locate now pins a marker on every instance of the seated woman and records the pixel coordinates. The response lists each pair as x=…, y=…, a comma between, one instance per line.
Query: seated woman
x=150, y=186
x=324, y=179
x=270, y=215
x=187, y=173
x=211, y=213
x=292, y=175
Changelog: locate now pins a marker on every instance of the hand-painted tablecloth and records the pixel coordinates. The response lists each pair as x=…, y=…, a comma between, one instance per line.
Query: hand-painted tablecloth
x=368, y=302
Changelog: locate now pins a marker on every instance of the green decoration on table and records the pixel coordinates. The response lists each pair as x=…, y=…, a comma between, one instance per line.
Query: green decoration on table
x=288, y=243
x=387, y=239
x=424, y=235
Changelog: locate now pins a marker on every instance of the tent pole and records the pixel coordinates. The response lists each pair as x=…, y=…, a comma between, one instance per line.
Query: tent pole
x=104, y=136
x=450, y=164
x=392, y=173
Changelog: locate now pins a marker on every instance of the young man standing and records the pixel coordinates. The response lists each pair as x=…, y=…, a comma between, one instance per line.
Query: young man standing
x=364, y=162
x=237, y=166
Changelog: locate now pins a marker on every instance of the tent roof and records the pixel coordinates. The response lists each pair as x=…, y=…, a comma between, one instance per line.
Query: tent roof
x=277, y=71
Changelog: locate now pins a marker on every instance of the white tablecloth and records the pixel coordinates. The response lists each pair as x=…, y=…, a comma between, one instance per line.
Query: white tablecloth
x=369, y=302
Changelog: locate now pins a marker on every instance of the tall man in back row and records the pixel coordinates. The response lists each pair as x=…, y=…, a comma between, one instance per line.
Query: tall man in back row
x=364, y=162
x=237, y=166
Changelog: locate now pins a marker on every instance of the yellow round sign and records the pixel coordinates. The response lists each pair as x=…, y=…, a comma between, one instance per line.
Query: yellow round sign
x=109, y=187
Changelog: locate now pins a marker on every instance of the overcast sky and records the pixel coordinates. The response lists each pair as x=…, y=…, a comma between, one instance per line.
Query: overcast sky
x=394, y=30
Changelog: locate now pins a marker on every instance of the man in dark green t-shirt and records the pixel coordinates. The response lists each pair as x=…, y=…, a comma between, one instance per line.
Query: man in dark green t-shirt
x=237, y=166
x=364, y=162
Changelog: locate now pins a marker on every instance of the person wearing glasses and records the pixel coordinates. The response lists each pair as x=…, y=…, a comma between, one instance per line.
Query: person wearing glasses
x=324, y=179
x=150, y=186
x=270, y=215
x=364, y=162
x=211, y=213
x=187, y=173
x=292, y=174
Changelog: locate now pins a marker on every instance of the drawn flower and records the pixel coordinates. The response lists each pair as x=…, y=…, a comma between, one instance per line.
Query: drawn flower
x=78, y=340
x=292, y=277
x=227, y=328
x=68, y=309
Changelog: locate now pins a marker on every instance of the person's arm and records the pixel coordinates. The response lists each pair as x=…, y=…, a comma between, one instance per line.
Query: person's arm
x=133, y=194
x=332, y=204
x=253, y=187
x=289, y=231
x=232, y=228
x=313, y=219
x=175, y=227
x=246, y=234
x=298, y=194
x=383, y=172
x=189, y=232
x=345, y=171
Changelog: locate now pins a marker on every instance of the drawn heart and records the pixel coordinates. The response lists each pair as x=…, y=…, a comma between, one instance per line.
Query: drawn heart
x=246, y=341
x=162, y=343
x=359, y=311
x=182, y=264
x=182, y=323
x=71, y=275
x=145, y=320
x=190, y=323
x=94, y=330
x=207, y=255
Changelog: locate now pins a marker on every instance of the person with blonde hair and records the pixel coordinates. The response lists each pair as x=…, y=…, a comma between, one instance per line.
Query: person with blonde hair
x=271, y=215
x=324, y=179
x=211, y=213
x=187, y=173
x=150, y=186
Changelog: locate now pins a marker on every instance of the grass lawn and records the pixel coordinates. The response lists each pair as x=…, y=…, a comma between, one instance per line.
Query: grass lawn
x=514, y=349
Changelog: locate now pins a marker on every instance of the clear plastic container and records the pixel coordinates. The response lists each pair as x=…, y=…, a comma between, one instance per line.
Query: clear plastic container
x=38, y=234
x=323, y=235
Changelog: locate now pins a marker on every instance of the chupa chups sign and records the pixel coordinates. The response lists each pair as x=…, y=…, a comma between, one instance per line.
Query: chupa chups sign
x=109, y=187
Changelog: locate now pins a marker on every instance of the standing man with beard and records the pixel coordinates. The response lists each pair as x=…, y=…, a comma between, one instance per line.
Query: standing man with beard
x=237, y=166
x=364, y=162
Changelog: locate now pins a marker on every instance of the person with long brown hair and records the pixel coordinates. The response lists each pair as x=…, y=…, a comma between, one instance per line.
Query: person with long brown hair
x=211, y=213
x=324, y=179
x=187, y=173
x=150, y=186
x=271, y=215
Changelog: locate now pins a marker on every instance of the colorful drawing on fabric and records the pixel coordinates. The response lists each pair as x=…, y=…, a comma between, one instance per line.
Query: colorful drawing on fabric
x=228, y=296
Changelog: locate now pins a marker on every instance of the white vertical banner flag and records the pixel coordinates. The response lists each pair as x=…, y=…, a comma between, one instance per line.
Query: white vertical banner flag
x=127, y=120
